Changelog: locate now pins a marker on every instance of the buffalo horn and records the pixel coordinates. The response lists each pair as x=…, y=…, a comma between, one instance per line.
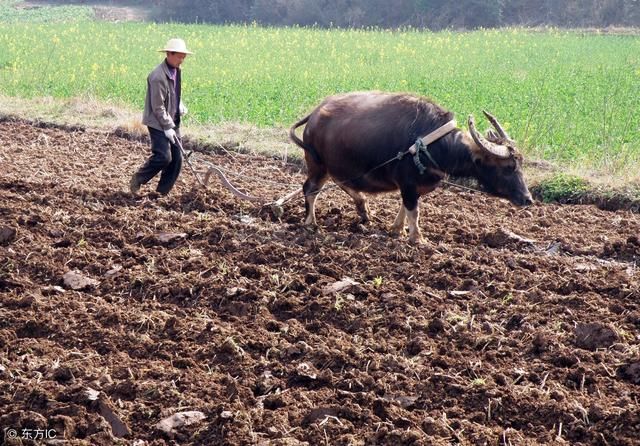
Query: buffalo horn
x=493, y=136
x=495, y=149
x=496, y=124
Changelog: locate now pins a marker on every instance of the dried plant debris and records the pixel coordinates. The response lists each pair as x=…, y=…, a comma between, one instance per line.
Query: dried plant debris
x=197, y=318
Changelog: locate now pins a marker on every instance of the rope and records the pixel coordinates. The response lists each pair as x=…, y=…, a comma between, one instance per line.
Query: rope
x=186, y=156
x=228, y=185
x=279, y=202
x=226, y=182
x=230, y=173
x=460, y=186
x=420, y=146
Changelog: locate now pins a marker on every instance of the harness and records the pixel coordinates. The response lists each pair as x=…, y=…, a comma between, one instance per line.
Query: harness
x=422, y=146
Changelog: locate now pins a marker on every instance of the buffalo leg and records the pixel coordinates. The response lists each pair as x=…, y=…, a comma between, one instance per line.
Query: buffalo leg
x=410, y=201
x=316, y=177
x=414, y=230
x=398, y=224
x=360, y=201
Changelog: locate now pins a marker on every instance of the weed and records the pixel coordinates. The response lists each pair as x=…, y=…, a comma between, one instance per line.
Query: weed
x=339, y=302
x=562, y=187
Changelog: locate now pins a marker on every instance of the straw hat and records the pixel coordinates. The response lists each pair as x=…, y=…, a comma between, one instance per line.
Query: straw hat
x=176, y=46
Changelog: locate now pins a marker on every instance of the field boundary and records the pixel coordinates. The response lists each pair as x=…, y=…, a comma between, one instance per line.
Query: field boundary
x=544, y=186
x=102, y=10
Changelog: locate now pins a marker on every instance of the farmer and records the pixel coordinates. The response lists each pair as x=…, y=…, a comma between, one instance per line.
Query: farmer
x=162, y=110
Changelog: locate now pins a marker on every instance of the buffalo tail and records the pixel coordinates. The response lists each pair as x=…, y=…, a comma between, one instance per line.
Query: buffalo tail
x=292, y=135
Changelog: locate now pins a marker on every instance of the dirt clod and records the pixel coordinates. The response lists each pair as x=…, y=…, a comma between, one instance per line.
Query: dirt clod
x=75, y=280
x=7, y=235
x=491, y=332
x=592, y=336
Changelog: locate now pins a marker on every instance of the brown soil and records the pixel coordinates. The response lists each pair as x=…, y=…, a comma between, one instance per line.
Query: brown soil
x=507, y=326
x=102, y=10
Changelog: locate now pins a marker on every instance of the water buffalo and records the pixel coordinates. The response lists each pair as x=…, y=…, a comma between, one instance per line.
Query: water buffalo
x=357, y=138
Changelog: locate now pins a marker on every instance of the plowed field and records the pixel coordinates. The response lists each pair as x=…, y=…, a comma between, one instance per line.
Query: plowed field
x=507, y=326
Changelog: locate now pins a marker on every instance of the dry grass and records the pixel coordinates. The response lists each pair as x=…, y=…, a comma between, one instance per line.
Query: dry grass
x=91, y=113
x=606, y=190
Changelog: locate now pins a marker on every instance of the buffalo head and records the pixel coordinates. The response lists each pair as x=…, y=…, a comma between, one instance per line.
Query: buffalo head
x=499, y=163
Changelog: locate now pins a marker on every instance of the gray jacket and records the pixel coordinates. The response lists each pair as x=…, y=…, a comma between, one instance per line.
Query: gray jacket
x=160, y=104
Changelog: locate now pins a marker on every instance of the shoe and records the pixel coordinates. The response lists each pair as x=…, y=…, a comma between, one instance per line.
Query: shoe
x=134, y=184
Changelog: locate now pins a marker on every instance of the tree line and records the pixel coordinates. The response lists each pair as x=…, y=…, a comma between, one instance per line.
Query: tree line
x=430, y=14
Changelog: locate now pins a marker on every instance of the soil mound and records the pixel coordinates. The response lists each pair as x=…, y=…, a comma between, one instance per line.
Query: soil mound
x=201, y=319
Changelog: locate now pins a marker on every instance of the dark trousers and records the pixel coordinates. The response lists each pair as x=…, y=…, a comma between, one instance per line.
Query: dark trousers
x=166, y=158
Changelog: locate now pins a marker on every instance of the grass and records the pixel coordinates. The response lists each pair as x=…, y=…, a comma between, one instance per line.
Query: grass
x=562, y=187
x=15, y=11
x=567, y=97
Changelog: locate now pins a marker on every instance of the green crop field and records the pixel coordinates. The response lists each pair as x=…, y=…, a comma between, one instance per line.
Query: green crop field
x=566, y=96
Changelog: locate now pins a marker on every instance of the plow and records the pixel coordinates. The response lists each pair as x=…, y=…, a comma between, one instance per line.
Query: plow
x=211, y=169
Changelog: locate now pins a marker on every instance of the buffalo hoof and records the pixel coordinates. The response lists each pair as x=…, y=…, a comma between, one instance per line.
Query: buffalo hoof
x=416, y=239
x=397, y=231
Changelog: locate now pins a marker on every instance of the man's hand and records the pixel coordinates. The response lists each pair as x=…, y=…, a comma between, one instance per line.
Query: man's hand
x=182, y=108
x=171, y=135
